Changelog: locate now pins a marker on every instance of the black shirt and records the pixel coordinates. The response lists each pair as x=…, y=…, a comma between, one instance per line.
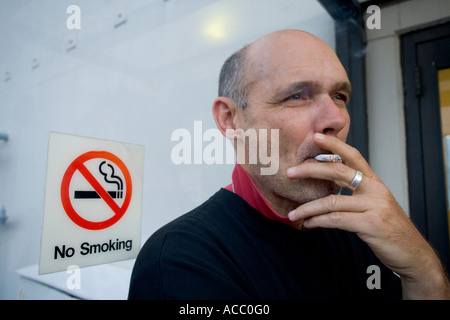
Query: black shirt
x=225, y=249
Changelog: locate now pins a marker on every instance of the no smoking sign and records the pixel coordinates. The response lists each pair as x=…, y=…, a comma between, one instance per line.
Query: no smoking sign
x=93, y=202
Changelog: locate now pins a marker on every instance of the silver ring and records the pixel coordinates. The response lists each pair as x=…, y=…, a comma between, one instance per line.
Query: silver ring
x=356, y=180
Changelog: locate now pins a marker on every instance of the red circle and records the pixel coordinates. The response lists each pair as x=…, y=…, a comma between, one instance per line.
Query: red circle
x=65, y=197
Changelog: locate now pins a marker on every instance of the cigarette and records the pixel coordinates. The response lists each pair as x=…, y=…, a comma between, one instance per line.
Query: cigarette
x=94, y=195
x=328, y=157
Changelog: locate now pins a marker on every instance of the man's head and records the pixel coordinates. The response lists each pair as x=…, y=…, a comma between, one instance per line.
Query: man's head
x=292, y=81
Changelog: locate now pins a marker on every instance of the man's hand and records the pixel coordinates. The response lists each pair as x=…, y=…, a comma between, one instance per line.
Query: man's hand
x=375, y=216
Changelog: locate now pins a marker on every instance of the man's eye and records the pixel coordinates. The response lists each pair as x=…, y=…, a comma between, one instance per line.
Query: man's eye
x=342, y=97
x=297, y=96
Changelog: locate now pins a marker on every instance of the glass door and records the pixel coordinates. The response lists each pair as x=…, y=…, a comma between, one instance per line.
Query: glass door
x=444, y=101
x=426, y=74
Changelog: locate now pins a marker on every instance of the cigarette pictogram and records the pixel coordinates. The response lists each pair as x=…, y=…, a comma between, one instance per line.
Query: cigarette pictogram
x=109, y=177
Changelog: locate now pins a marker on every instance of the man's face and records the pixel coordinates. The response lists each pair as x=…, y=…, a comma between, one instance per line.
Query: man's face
x=296, y=85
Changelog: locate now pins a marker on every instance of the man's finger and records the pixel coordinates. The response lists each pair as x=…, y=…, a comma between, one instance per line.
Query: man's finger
x=341, y=174
x=329, y=204
x=347, y=221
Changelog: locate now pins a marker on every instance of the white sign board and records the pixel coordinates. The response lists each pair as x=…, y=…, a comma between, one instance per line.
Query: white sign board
x=93, y=202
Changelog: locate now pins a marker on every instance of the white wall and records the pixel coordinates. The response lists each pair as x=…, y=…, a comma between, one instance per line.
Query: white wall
x=387, y=137
x=135, y=83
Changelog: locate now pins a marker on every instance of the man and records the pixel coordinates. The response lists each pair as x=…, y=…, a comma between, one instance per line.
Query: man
x=290, y=235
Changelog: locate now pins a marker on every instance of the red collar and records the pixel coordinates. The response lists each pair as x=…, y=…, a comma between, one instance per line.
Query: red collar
x=246, y=189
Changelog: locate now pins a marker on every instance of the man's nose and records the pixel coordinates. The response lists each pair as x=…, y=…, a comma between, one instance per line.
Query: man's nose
x=332, y=117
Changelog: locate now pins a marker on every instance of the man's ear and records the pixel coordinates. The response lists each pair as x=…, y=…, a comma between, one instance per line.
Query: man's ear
x=224, y=112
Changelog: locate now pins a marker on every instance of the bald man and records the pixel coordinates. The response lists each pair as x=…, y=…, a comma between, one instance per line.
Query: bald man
x=289, y=234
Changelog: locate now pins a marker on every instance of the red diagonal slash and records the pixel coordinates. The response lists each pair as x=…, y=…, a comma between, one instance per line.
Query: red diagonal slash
x=98, y=187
